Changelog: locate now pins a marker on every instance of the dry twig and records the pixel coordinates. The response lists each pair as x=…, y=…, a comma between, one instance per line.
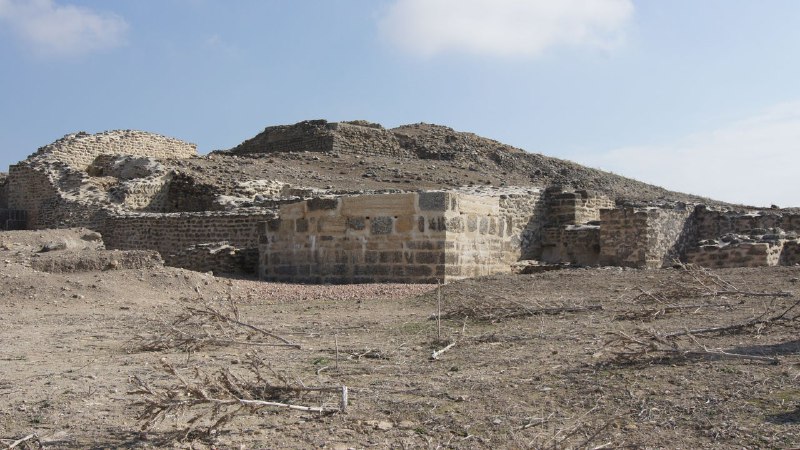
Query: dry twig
x=198, y=328
x=215, y=400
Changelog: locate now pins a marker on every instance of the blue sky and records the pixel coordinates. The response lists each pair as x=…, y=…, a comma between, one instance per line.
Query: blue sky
x=697, y=96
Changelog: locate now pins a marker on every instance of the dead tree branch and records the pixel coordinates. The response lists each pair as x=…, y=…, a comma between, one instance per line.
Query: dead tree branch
x=214, y=400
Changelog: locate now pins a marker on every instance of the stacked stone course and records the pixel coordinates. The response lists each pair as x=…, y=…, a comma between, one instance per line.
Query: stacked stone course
x=356, y=137
x=644, y=237
x=173, y=235
x=414, y=237
x=79, y=150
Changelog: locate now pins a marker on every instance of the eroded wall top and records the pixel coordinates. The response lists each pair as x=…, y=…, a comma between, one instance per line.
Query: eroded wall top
x=79, y=150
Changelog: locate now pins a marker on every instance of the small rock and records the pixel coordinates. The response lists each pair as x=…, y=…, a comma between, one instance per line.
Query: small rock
x=407, y=425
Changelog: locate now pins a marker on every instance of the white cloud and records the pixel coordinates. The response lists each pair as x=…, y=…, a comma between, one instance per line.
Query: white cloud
x=752, y=161
x=508, y=28
x=50, y=29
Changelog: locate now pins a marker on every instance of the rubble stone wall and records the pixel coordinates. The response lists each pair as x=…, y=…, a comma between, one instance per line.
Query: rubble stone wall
x=412, y=237
x=79, y=150
x=574, y=244
x=712, y=224
x=357, y=137
x=3, y=190
x=217, y=257
x=526, y=213
x=759, y=254
x=172, y=234
x=571, y=208
x=643, y=237
x=790, y=254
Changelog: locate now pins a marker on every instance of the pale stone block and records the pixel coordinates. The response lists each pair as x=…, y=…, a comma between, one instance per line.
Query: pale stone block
x=379, y=205
x=474, y=204
x=293, y=210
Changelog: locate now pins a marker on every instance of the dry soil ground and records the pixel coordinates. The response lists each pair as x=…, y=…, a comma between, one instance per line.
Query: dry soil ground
x=545, y=378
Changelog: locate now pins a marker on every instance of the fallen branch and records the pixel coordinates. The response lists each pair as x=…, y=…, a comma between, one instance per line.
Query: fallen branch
x=23, y=440
x=436, y=353
x=215, y=400
x=198, y=328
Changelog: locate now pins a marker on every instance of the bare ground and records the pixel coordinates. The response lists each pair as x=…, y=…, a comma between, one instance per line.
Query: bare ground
x=522, y=374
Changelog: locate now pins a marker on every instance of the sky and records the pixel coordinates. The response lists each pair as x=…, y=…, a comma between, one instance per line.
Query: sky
x=696, y=96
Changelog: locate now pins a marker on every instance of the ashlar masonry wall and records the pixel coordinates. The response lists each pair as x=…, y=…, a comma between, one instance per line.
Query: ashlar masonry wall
x=413, y=237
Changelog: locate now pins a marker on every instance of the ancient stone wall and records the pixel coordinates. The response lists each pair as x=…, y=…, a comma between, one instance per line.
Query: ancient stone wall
x=643, y=237
x=3, y=190
x=790, y=254
x=526, y=213
x=712, y=224
x=571, y=208
x=217, y=257
x=172, y=234
x=322, y=136
x=757, y=254
x=79, y=150
x=573, y=244
x=413, y=237
x=365, y=139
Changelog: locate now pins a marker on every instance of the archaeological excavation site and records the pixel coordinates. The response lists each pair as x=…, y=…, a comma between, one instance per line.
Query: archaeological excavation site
x=341, y=285
x=353, y=202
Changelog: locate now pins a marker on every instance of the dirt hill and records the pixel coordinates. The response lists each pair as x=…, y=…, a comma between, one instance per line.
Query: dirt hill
x=365, y=156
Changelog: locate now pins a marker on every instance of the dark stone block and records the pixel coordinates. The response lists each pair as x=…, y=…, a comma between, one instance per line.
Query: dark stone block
x=391, y=257
x=428, y=257
x=433, y=201
x=421, y=224
x=437, y=224
x=418, y=271
x=381, y=225
x=317, y=204
x=472, y=223
x=285, y=270
x=301, y=225
x=356, y=223
x=455, y=224
x=274, y=224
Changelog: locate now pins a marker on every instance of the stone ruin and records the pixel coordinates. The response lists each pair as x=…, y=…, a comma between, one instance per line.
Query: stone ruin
x=124, y=184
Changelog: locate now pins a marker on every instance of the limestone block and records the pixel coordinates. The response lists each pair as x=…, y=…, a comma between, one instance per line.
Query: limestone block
x=378, y=205
x=473, y=204
x=332, y=225
x=293, y=210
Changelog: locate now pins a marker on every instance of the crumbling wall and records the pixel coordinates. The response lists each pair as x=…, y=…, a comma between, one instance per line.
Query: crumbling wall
x=35, y=192
x=79, y=150
x=790, y=254
x=712, y=223
x=357, y=137
x=414, y=237
x=526, y=214
x=571, y=208
x=3, y=190
x=217, y=257
x=172, y=234
x=365, y=139
x=746, y=254
x=573, y=244
x=643, y=237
